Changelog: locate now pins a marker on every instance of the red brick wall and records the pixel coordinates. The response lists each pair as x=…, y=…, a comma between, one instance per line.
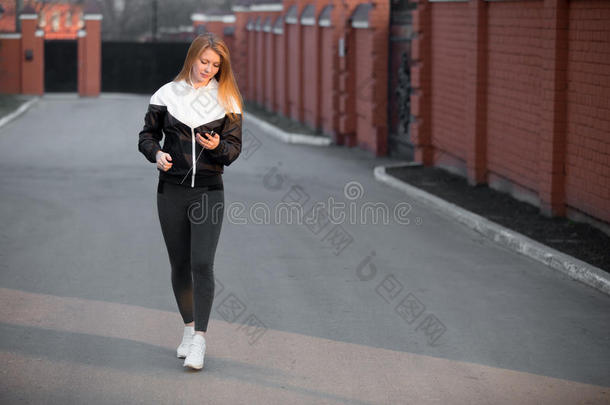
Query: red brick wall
x=281, y=88
x=515, y=94
x=312, y=69
x=90, y=56
x=230, y=42
x=261, y=64
x=344, y=111
x=346, y=85
x=10, y=66
x=514, y=90
x=32, y=71
x=299, y=73
x=364, y=70
x=376, y=104
x=239, y=58
x=588, y=108
x=311, y=76
x=347, y=89
x=270, y=70
x=18, y=75
x=328, y=78
x=448, y=70
x=216, y=27
x=251, y=65
x=252, y=55
x=294, y=63
x=421, y=93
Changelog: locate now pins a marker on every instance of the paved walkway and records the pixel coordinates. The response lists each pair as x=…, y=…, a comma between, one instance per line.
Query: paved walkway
x=421, y=313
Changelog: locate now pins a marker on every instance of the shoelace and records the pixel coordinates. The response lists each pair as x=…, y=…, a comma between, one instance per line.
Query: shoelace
x=198, y=348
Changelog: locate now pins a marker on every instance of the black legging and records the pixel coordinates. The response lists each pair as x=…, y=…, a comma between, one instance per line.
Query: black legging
x=191, y=219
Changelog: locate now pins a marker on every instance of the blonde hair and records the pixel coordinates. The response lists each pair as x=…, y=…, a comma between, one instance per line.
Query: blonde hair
x=227, y=86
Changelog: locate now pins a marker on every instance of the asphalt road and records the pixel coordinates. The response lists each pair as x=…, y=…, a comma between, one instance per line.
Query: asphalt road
x=330, y=312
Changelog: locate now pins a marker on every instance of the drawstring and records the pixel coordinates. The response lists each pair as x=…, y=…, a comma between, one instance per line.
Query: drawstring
x=193, y=168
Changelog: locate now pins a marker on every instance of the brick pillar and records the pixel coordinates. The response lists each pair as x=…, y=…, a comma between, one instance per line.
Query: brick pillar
x=552, y=134
x=281, y=86
x=251, y=64
x=332, y=69
x=380, y=22
x=329, y=112
x=90, y=57
x=476, y=88
x=420, y=77
x=294, y=49
x=371, y=68
x=338, y=93
x=81, y=62
x=261, y=59
x=228, y=36
x=32, y=55
x=270, y=65
x=312, y=54
x=240, y=50
x=346, y=75
x=215, y=27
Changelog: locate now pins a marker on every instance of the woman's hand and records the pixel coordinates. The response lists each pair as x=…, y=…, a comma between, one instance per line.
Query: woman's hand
x=209, y=142
x=164, y=161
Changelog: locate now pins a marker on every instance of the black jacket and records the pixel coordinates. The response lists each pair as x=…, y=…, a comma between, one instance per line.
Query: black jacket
x=179, y=111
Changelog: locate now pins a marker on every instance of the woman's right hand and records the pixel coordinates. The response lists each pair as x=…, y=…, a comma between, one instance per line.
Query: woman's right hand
x=164, y=161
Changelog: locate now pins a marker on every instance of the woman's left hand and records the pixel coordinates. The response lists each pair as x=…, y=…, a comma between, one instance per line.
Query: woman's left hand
x=209, y=142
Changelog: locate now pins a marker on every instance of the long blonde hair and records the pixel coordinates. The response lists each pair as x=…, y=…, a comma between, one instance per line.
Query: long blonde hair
x=227, y=86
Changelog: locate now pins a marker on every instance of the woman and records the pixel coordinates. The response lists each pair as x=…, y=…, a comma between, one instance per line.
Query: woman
x=200, y=113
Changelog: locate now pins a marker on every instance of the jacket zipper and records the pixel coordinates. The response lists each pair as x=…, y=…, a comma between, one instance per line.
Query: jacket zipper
x=194, y=162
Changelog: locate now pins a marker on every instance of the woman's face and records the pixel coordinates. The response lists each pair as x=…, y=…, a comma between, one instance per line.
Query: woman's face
x=205, y=67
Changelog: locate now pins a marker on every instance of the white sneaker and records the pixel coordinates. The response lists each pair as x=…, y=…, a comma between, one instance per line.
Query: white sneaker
x=187, y=339
x=194, y=359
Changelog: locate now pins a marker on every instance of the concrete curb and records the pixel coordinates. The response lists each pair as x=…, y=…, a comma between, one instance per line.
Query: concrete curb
x=20, y=110
x=287, y=136
x=103, y=95
x=571, y=266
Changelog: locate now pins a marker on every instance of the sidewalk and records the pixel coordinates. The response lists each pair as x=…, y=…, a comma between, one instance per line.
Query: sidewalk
x=515, y=216
x=13, y=105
